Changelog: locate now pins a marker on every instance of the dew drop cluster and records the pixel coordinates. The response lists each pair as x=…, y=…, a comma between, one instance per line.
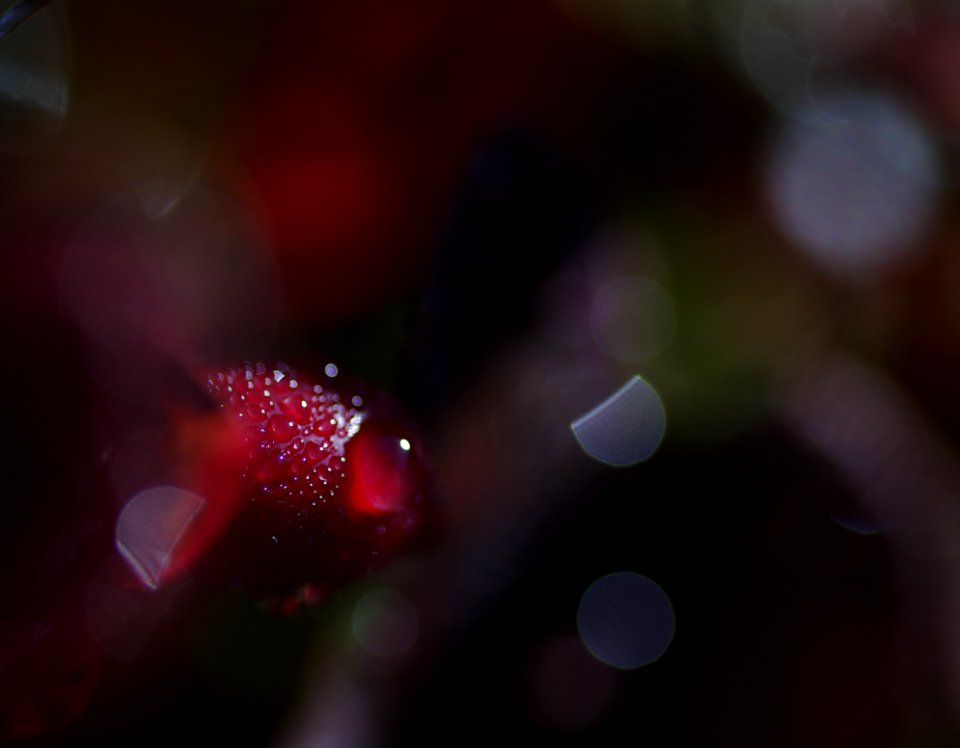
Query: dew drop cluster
x=295, y=433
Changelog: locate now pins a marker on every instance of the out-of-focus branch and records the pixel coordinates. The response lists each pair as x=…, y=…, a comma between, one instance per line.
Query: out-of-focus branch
x=13, y=17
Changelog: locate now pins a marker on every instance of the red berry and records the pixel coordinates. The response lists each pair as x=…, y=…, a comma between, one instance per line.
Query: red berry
x=306, y=485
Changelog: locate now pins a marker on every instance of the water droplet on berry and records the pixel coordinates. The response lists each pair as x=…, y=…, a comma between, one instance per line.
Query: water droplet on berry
x=325, y=427
x=300, y=467
x=385, y=473
x=294, y=407
x=282, y=428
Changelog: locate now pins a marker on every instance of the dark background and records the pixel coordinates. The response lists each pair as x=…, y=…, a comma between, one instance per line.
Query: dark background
x=440, y=196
